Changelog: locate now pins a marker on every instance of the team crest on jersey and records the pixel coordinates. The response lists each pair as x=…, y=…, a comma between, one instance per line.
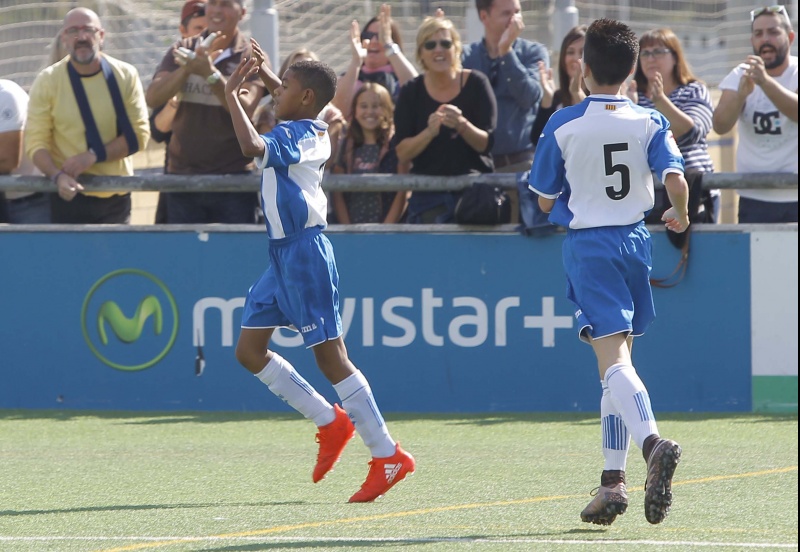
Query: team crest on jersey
x=320, y=134
x=611, y=107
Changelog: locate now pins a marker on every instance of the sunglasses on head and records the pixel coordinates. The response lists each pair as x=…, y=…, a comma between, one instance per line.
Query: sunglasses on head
x=368, y=35
x=431, y=44
x=778, y=9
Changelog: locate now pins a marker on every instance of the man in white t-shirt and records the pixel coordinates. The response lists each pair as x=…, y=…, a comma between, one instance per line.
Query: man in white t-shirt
x=761, y=94
x=22, y=207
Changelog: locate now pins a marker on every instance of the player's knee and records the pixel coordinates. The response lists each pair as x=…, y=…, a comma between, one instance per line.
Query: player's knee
x=250, y=359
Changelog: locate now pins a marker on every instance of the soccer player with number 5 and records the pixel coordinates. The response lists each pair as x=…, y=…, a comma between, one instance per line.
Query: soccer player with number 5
x=593, y=173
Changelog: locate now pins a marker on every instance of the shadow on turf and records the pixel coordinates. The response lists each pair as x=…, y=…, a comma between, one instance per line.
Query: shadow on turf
x=321, y=544
x=476, y=419
x=324, y=544
x=124, y=507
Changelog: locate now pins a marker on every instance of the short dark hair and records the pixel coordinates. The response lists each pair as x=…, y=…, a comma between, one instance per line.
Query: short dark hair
x=484, y=5
x=611, y=50
x=317, y=76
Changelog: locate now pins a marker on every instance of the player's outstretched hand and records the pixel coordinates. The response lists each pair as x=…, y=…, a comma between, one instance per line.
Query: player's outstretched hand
x=246, y=67
x=674, y=222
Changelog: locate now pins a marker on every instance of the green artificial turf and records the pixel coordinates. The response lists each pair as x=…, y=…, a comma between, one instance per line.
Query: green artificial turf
x=91, y=481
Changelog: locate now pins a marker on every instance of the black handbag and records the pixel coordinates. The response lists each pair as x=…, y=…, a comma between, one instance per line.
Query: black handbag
x=483, y=204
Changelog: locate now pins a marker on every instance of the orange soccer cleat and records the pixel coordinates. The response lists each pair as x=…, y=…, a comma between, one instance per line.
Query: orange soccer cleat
x=385, y=473
x=332, y=439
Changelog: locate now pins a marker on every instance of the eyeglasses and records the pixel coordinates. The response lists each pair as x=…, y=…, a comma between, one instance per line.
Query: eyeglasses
x=72, y=32
x=431, y=44
x=781, y=10
x=657, y=53
x=368, y=35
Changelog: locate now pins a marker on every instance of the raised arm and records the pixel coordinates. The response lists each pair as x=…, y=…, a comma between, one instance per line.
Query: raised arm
x=250, y=142
x=345, y=88
x=402, y=67
x=265, y=72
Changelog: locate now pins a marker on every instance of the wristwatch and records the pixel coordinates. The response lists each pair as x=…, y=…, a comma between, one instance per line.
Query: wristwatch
x=391, y=49
x=214, y=77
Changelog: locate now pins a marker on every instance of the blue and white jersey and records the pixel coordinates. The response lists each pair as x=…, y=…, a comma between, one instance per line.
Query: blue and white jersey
x=292, y=168
x=596, y=159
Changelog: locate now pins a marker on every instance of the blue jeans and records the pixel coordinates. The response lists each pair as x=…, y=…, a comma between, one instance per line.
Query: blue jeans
x=211, y=207
x=85, y=209
x=31, y=209
x=755, y=211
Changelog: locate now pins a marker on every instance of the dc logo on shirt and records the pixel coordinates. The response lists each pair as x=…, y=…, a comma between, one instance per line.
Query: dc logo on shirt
x=767, y=123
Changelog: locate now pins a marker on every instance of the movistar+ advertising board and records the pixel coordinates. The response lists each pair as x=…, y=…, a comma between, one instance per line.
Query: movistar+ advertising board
x=439, y=323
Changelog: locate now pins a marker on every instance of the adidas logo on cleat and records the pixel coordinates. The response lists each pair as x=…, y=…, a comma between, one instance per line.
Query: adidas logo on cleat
x=392, y=470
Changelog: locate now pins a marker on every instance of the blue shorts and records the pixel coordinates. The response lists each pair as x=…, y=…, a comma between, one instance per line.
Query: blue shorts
x=299, y=290
x=608, y=279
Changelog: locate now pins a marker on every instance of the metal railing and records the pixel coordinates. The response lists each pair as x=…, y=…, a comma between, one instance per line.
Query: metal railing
x=350, y=183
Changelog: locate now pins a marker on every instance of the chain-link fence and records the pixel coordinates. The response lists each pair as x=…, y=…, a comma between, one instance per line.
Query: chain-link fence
x=715, y=33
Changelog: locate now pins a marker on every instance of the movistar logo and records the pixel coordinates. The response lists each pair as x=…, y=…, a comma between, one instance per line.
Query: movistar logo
x=124, y=317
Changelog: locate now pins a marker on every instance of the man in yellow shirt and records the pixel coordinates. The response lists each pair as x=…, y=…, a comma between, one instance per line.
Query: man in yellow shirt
x=78, y=125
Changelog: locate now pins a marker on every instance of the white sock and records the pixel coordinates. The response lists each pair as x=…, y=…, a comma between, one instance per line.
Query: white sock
x=632, y=401
x=289, y=386
x=358, y=402
x=616, y=440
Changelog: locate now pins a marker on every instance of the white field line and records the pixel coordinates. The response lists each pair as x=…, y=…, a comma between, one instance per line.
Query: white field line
x=315, y=541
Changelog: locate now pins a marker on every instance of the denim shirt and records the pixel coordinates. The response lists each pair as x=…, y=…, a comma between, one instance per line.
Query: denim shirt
x=515, y=81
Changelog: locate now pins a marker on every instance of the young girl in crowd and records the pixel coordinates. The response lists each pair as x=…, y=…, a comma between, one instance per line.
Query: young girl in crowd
x=570, y=89
x=367, y=147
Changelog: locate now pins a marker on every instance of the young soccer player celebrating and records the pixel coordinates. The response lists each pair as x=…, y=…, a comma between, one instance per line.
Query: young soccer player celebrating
x=592, y=172
x=300, y=287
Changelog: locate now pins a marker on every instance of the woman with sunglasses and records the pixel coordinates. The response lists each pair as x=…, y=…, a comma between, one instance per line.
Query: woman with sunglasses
x=444, y=119
x=377, y=56
x=665, y=82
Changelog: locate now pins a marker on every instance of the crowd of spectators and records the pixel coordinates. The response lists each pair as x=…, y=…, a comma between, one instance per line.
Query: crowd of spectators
x=456, y=109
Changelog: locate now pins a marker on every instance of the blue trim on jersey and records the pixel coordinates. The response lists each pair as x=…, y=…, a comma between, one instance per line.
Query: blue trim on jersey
x=571, y=156
x=294, y=158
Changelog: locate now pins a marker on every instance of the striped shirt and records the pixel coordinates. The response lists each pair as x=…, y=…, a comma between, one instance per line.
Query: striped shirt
x=694, y=100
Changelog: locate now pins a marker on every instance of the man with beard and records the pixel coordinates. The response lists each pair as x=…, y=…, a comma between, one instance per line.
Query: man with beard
x=761, y=94
x=86, y=115
x=203, y=139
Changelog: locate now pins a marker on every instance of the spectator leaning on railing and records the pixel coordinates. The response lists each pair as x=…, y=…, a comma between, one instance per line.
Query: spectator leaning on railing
x=13, y=112
x=193, y=22
x=512, y=65
x=664, y=82
x=86, y=115
x=203, y=140
x=13, y=107
x=444, y=119
x=761, y=95
x=368, y=147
